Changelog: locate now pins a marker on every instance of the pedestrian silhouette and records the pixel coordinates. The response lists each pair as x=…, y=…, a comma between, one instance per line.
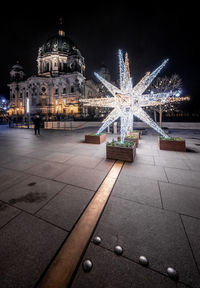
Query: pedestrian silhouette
x=37, y=125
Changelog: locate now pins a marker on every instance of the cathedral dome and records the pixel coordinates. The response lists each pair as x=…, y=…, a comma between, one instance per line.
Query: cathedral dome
x=59, y=55
x=60, y=44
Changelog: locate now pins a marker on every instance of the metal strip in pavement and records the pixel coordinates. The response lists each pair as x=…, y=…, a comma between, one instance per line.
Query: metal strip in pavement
x=63, y=266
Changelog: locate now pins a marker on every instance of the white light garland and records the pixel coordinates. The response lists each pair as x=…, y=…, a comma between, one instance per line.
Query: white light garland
x=128, y=101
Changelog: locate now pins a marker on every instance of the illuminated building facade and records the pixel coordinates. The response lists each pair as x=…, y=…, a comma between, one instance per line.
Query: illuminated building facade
x=57, y=88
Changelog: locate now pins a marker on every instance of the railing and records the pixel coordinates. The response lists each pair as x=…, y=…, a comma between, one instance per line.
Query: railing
x=21, y=125
x=65, y=125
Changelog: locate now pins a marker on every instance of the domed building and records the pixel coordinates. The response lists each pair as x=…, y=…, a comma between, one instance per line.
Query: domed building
x=60, y=82
x=59, y=85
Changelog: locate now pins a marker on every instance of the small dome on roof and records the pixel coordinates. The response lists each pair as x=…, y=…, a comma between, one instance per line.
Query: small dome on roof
x=17, y=73
x=17, y=67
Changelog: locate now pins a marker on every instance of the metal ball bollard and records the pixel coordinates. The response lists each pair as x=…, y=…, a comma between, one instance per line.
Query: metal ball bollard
x=172, y=273
x=87, y=265
x=97, y=240
x=118, y=250
x=143, y=261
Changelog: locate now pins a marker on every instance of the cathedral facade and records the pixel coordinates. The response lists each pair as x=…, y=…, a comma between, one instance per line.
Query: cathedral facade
x=59, y=85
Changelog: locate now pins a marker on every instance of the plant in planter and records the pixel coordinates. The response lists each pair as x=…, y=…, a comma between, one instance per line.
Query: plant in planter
x=121, y=151
x=95, y=138
x=131, y=138
x=136, y=133
x=172, y=144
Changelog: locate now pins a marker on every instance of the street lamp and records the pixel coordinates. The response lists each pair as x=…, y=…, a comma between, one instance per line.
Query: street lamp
x=28, y=110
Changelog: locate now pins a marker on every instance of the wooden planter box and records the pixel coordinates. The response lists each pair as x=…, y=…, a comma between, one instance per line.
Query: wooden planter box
x=172, y=145
x=121, y=153
x=95, y=139
x=135, y=140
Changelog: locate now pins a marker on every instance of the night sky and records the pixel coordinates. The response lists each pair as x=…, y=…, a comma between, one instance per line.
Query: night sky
x=149, y=33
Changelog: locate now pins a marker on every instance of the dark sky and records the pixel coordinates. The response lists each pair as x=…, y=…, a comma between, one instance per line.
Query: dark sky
x=148, y=32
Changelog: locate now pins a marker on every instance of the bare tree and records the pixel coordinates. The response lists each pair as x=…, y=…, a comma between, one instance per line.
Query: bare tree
x=163, y=85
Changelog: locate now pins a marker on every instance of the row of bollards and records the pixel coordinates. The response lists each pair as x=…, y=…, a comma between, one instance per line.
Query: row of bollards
x=87, y=264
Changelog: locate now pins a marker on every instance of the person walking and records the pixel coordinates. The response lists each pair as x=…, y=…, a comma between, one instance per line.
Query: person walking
x=37, y=125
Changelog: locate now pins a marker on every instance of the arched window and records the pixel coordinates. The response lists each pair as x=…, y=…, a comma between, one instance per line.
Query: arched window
x=64, y=90
x=72, y=89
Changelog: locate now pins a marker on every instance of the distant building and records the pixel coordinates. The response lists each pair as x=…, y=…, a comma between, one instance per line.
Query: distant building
x=59, y=85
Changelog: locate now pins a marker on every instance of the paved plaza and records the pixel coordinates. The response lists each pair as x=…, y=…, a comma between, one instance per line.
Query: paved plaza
x=47, y=181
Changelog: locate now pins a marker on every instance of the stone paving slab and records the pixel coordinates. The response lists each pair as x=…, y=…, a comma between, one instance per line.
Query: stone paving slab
x=144, y=171
x=84, y=161
x=7, y=157
x=144, y=159
x=183, y=177
x=165, y=161
x=27, y=245
x=22, y=163
x=40, y=154
x=65, y=209
x=157, y=234
x=110, y=270
x=82, y=177
x=147, y=151
x=7, y=213
x=105, y=165
x=9, y=178
x=21, y=151
x=48, y=169
x=181, y=199
x=58, y=157
x=194, y=164
x=32, y=193
x=137, y=189
x=192, y=227
x=85, y=151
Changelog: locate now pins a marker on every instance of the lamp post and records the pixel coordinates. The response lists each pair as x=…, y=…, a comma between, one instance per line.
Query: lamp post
x=28, y=110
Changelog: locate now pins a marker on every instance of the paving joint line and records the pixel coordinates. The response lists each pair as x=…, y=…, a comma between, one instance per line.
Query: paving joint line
x=193, y=254
x=160, y=195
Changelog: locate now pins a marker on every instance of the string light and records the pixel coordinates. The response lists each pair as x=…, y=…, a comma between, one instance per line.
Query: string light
x=129, y=101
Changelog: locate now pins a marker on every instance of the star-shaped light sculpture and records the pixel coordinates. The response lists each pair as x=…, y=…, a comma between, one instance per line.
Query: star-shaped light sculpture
x=129, y=101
